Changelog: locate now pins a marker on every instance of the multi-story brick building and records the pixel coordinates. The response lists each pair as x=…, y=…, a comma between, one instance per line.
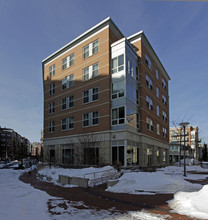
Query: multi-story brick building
x=106, y=100
x=191, y=141
x=13, y=145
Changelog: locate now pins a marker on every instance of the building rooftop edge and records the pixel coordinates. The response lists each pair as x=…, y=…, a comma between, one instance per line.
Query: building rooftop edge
x=108, y=19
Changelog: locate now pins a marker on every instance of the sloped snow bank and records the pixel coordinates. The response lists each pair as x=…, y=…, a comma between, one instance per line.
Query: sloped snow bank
x=136, y=182
x=194, y=204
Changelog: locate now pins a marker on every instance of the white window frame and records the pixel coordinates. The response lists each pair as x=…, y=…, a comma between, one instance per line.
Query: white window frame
x=68, y=81
x=51, y=126
x=149, y=124
x=119, y=90
x=92, y=119
x=149, y=103
x=118, y=120
x=164, y=99
x=164, y=84
x=51, y=107
x=51, y=89
x=90, y=49
x=164, y=116
x=158, y=129
x=68, y=102
x=158, y=110
x=148, y=61
x=157, y=92
x=118, y=66
x=52, y=70
x=68, y=123
x=90, y=72
x=157, y=74
x=149, y=82
x=68, y=61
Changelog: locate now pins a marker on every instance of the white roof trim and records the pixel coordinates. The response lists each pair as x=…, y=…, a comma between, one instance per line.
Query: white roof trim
x=108, y=18
x=134, y=35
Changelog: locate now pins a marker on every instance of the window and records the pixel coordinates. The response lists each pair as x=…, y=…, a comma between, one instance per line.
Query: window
x=149, y=124
x=117, y=89
x=164, y=132
x=149, y=103
x=118, y=116
x=68, y=61
x=51, y=107
x=68, y=81
x=95, y=118
x=91, y=49
x=149, y=82
x=91, y=118
x=163, y=84
x=51, y=126
x=52, y=89
x=158, y=110
x=148, y=61
x=137, y=73
x=52, y=70
x=157, y=75
x=157, y=92
x=158, y=129
x=164, y=100
x=67, y=102
x=117, y=64
x=164, y=116
x=91, y=95
x=67, y=123
x=90, y=71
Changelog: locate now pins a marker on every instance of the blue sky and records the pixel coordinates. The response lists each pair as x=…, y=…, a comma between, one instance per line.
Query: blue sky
x=32, y=30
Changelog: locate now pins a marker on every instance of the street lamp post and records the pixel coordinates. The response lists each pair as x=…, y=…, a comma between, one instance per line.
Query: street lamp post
x=184, y=124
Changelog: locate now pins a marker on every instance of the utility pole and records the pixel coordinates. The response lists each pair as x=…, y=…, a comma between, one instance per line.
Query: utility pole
x=184, y=124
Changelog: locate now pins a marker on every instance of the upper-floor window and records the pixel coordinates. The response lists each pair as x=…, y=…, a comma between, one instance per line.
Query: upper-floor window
x=164, y=100
x=165, y=132
x=67, y=123
x=52, y=89
x=164, y=116
x=148, y=61
x=149, y=102
x=158, y=110
x=157, y=92
x=90, y=49
x=91, y=118
x=90, y=71
x=158, y=129
x=149, y=82
x=68, y=61
x=117, y=64
x=51, y=126
x=68, y=81
x=52, y=70
x=157, y=74
x=90, y=95
x=149, y=124
x=117, y=89
x=164, y=84
x=67, y=102
x=118, y=116
x=51, y=107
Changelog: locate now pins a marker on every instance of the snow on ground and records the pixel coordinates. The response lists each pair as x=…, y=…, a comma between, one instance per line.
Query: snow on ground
x=193, y=204
x=21, y=201
x=136, y=182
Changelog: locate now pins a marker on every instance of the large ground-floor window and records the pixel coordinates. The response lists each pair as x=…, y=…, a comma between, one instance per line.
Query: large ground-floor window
x=132, y=153
x=67, y=155
x=91, y=156
x=118, y=153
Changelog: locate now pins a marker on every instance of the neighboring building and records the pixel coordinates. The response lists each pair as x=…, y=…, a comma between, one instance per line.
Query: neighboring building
x=12, y=145
x=106, y=101
x=36, y=149
x=191, y=140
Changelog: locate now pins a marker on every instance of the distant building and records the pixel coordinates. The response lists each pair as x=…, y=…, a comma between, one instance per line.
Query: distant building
x=191, y=142
x=36, y=149
x=13, y=145
x=106, y=100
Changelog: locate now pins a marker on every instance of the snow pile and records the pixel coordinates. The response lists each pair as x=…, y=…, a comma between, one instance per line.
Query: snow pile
x=89, y=173
x=194, y=204
x=157, y=182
